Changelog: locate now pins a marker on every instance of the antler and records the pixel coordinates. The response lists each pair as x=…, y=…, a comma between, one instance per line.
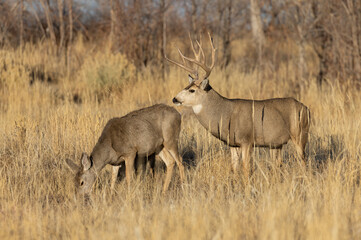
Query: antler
x=200, y=51
x=203, y=65
x=197, y=60
x=190, y=70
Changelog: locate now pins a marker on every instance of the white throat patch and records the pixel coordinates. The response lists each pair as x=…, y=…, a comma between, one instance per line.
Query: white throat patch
x=197, y=108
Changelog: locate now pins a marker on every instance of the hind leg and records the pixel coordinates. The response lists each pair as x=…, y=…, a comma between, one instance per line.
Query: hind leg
x=169, y=162
x=174, y=152
x=140, y=165
x=300, y=137
x=300, y=149
x=171, y=131
x=304, y=140
x=300, y=145
x=151, y=160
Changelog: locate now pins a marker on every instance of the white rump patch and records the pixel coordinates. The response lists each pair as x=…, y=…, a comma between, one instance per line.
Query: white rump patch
x=197, y=108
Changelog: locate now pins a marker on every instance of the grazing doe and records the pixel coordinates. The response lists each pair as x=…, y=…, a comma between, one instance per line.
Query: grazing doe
x=152, y=130
x=242, y=123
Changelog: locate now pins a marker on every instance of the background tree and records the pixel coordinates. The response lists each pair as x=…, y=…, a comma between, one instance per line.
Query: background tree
x=136, y=28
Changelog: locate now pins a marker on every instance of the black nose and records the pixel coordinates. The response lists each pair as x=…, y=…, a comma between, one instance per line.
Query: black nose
x=175, y=100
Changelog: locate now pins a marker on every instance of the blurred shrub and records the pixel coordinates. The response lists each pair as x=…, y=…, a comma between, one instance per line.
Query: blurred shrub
x=106, y=71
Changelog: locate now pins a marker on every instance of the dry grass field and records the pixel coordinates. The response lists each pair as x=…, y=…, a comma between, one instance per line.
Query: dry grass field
x=45, y=122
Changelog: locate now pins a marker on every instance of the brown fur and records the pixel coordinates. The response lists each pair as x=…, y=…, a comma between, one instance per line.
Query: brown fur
x=152, y=130
x=243, y=123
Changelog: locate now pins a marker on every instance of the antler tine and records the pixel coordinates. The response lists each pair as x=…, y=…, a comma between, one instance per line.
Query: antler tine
x=180, y=53
x=197, y=60
x=201, y=50
x=202, y=65
x=200, y=47
x=213, y=56
x=197, y=55
x=190, y=70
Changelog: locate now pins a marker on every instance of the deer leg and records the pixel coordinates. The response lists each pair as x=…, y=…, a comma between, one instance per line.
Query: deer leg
x=235, y=156
x=178, y=160
x=115, y=171
x=140, y=165
x=144, y=166
x=304, y=139
x=277, y=156
x=300, y=149
x=246, y=160
x=300, y=145
x=152, y=164
x=169, y=162
x=129, y=167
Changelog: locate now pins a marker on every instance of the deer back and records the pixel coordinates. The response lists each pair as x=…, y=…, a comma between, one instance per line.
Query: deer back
x=143, y=130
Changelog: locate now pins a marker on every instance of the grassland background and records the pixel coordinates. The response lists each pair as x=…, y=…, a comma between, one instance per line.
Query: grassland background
x=41, y=125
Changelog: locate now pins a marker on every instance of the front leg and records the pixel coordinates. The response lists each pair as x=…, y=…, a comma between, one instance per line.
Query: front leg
x=115, y=171
x=129, y=167
x=235, y=156
x=246, y=160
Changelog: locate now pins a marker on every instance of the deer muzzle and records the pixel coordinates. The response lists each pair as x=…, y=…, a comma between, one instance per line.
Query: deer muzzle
x=176, y=102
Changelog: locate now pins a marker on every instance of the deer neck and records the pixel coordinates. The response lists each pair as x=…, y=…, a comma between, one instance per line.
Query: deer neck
x=100, y=156
x=213, y=112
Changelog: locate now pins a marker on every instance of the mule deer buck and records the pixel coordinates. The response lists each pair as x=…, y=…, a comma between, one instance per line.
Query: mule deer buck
x=242, y=123
x=152, y=130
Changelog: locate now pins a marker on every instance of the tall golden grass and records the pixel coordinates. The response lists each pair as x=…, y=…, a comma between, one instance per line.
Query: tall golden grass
x=41, y=126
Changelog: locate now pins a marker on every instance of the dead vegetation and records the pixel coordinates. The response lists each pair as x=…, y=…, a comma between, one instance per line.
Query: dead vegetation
x=61, y=112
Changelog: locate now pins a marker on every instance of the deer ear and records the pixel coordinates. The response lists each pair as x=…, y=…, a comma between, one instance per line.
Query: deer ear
x=72, y=165
x=204, y=84
x=190, y=78
x=85, y=162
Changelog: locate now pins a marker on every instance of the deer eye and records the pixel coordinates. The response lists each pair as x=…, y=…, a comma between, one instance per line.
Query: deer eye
x=192, y=90
x=81, y=183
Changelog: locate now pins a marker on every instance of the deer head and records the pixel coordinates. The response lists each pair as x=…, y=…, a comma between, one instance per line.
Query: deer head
x=198, y=84
x=85, y=175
